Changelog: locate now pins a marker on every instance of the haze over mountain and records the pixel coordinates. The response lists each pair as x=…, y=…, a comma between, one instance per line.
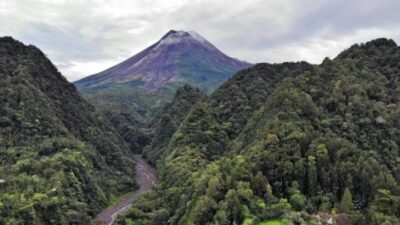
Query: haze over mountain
x=178, y=58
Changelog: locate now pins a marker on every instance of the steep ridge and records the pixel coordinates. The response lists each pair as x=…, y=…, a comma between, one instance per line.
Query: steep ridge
x=60, y=161
x=250, y=88
x=168, y=119
x=320, y=139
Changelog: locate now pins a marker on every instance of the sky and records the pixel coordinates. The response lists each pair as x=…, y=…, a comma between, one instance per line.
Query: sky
x=83, y=37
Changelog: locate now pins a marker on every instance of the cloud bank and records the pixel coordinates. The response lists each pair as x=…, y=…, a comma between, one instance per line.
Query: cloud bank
x=83, y=37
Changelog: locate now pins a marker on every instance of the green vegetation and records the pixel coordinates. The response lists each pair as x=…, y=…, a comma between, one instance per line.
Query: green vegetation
x=276, y=144
x=347, y=205
x=271, y=222
x=128, y=109
x=287, y=141
x=60, y=161
x=167, y=120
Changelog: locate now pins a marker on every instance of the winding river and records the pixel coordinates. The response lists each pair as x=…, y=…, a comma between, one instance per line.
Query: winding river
x=145, y=177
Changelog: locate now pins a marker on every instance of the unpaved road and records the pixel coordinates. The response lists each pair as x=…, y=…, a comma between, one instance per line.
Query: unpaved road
x=145, y=177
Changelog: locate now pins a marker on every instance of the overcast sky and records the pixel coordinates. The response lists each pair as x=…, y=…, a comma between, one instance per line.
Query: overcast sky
x=83, y=37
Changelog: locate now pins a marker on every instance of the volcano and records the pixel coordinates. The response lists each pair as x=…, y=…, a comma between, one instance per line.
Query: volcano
x=178, y=58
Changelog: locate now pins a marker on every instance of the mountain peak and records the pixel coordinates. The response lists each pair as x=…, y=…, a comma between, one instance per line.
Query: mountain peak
x=174, y=36
x=382, y=42
x=379, y=46
x=183, y=34
x=8, y=39
x=179, y=57
x=174, y=33
x=189, y=37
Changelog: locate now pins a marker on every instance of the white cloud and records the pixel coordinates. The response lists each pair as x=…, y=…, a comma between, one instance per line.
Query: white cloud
x=83, y=37
x=325, y=44
x=75, y=69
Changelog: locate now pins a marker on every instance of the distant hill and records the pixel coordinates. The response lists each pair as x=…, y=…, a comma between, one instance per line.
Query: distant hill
x=60, y=161
x=178, y=58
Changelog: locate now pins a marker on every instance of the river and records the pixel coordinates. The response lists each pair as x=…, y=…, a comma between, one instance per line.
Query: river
x=145, y=177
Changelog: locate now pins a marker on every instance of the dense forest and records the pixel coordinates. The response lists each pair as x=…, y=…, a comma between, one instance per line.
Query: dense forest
x=167, y=120
x=289, y=143
x=286, y=144
x=129, y=111
x=60, y=161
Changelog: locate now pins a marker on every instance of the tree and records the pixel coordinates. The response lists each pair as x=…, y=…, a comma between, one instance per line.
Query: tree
x=204, y=210
x=387, y=203
x=312, y=176
x=260, y=183
x=297, y=201
x=347, y=205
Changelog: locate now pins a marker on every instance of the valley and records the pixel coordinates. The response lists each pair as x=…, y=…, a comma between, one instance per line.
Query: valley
x=145, y=178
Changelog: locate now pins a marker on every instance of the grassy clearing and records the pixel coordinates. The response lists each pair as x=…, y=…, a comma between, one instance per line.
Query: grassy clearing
x=271, y=222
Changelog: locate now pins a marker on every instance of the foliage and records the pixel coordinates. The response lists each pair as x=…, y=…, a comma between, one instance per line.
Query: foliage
x=298, y=202
x=346, y=204
x=290, y=131
x=168, y=119
x=271, y=222
x=275, y=142
x=60, y=161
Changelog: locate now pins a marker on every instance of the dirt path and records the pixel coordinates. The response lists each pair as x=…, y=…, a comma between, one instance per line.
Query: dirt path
x=145, y=177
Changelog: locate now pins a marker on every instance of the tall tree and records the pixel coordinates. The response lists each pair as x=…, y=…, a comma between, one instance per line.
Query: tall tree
x=347, y=205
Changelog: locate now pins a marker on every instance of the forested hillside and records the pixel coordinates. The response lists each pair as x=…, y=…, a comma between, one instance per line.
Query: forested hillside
x=167, y=120
x=129, y=111
x=60, y=161
x=140, y=85
x=285, y=142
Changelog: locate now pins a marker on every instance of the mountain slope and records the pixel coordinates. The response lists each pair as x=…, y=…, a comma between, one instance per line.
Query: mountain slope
x=179, y=57
x=60, y=161
x=320, y=139
x=168, y=119
x=139, y=86
x=250, y=88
